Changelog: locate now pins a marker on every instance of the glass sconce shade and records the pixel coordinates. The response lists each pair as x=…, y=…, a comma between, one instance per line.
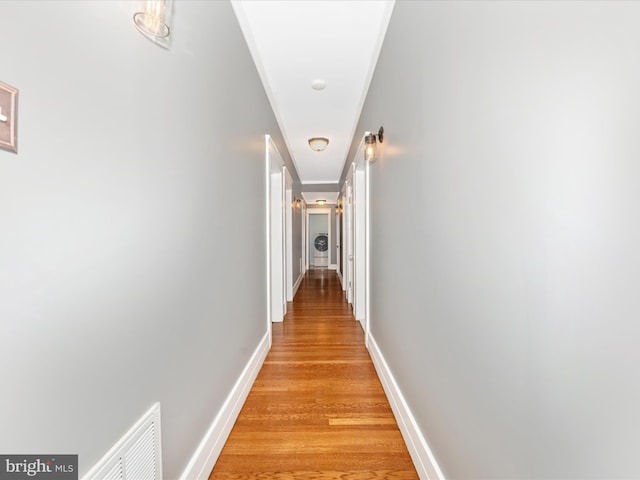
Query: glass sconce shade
x=370, y=146
x=152, y=18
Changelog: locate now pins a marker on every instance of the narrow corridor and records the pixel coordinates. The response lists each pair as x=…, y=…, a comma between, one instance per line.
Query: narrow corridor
x=317, y=409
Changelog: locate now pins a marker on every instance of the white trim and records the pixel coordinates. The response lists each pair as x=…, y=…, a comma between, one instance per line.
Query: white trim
x=305, y=243
x=207, y=453
x=359, y=240
x=338, y=240
x=276, y=268
x=318, y=211
x=386, y=17
x=333, y=266
x=348, y=221
x=367, y=249
x=245, y=26
x=297, y=285
x=288, y=235
x=344, y=246
x=421, y=454
x=267, y=204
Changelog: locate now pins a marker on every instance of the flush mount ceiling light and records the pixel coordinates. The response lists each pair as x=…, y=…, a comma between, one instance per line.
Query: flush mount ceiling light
x=152, y=19
x=371, y=143
x=321, y=202
x=318, y=144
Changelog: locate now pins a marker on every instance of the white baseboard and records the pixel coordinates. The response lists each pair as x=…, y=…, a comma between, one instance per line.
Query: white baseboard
x=333, y=266
x=297, y=285
x=207, y=453
x=421, y=454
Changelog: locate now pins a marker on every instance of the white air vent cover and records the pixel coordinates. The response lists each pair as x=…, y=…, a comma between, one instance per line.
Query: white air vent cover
x=136, y=456
x=116, y=472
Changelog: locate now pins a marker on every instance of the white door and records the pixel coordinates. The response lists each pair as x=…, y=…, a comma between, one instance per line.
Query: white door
x=276, y=295
x=349, y=239
x=305, y=254
x=356, y=223
x=359, y=254
x=338, y=236
x=288, y=235
x=345, y=243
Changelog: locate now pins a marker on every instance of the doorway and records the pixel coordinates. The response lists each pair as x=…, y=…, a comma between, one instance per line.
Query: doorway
x=319, y=240
x=339, y=241
x=288, y=235
x=275, y=214
x=356, y=251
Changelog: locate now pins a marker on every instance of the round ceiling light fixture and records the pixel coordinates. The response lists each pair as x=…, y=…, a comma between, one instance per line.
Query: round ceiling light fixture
x=321, y=202
x=318, y=144
x=318, y=84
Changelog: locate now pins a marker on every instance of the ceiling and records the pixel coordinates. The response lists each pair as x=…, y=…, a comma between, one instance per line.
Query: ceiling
x=295, y=43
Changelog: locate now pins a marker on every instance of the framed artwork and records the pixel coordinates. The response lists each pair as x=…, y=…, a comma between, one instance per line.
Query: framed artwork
x=8, y=118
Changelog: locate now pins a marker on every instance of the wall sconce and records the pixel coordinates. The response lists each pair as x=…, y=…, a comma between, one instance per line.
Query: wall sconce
x=370, y=144
x=321, y=202
x=318, y=144
x=152, y=18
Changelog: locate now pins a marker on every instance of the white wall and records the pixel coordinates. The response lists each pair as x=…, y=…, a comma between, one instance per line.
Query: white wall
x=128, y=225
x=505, y=232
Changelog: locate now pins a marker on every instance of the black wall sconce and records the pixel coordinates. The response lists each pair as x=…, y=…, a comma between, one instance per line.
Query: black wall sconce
x=371, y=144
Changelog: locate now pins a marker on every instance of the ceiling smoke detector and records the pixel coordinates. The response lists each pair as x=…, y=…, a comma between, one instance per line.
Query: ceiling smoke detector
x=318, y=84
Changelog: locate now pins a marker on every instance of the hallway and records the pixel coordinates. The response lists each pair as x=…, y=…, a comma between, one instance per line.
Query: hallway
x=317, y=409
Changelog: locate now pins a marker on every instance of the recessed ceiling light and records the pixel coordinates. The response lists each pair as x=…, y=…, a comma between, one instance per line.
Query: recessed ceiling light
x=318, y=84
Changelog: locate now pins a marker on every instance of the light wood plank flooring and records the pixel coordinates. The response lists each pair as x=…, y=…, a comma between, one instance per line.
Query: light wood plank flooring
x=317, y=409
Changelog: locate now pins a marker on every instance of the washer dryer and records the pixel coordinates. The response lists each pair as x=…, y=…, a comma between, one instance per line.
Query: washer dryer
x=321, y=250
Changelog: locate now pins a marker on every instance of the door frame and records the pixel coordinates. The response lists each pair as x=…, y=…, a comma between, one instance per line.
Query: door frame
x=275, y=233
x=318, y=211
x=348, y=227
x=356, y=224
x=338, y=236
x=303, y=233
x=288, y=236
x=359, y=243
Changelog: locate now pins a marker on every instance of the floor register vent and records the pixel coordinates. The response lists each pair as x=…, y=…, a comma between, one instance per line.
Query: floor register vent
x=136, y=456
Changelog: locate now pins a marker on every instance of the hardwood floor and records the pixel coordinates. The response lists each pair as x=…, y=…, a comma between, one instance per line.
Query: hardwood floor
x=317, y=409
